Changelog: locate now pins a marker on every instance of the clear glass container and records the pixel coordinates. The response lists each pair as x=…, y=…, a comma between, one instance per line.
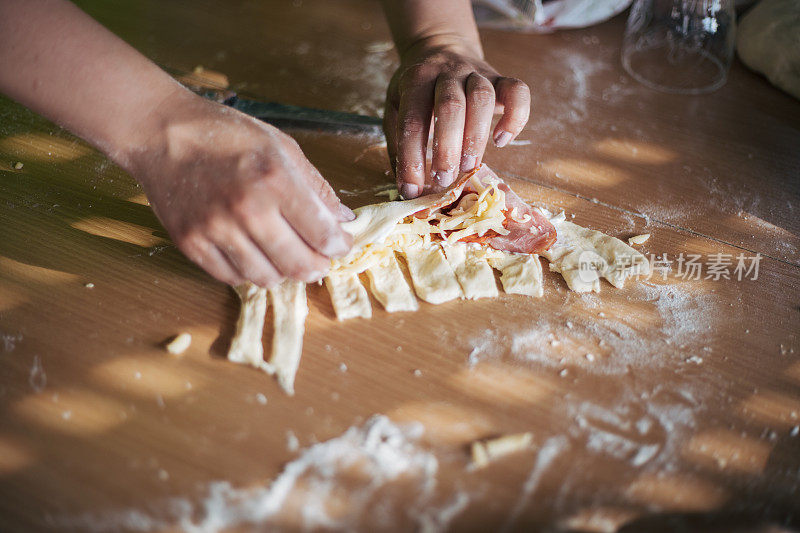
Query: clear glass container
x=680, y=46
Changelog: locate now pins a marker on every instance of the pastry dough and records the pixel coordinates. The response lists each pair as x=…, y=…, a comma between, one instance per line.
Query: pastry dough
x=473, y=272
x=434, y=280
x=519, y=273
x=428, y=233
x=389, y=286
x=582, y=256
x=348, y=295
x=290, y=308
x=246, y=345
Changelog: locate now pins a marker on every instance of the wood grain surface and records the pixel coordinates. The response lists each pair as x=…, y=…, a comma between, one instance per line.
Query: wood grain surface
x=671, y=404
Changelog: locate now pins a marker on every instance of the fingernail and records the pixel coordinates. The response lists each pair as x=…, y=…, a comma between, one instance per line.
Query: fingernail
x=502, y=138
x=346, y=213
x=444, y=177
x=468, y=162
x=335, y=246
x=409, y=190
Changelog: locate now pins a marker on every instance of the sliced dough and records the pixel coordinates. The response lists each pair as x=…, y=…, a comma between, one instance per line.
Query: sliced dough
x=349, y=297
x=519, y=273
x=389, y=286
x=432, y=275
x=583, y=256
x=472, y=271
x=290, y=308
x=246, y=345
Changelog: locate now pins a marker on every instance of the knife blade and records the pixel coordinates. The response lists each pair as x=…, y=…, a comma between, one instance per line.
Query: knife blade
x=292, y=116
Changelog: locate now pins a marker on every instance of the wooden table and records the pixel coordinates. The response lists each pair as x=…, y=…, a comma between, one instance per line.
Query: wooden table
x=670, y=403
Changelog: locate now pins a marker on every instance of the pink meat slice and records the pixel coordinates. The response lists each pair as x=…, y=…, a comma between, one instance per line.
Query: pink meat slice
x=531, y=237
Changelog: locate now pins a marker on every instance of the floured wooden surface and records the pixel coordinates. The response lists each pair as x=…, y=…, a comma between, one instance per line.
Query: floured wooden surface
x=667, y=399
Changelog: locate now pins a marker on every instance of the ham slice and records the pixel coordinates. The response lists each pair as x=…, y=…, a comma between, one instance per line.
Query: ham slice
x=533, y=236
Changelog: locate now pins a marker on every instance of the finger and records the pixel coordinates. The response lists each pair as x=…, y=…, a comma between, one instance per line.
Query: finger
x=290, y=254
x=212, y=260
x=515, y=96
x=478, y=122
x=449, y=110
x=324, y=191
x=245, y=256
x=309, y=217
x=413, y=119
x=390, y=131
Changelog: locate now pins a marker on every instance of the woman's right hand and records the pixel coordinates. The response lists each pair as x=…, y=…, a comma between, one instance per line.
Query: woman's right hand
x=237, y=196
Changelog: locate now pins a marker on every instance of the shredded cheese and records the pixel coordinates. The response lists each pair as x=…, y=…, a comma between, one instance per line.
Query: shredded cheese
x=476, y=213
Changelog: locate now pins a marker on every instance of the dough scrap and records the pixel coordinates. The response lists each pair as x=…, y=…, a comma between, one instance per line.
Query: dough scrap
x=389, y=286
x=180, y=343
x=348, y=295
x=486, y=451
x=473, y=272
x=290, y=308
x=434, y=280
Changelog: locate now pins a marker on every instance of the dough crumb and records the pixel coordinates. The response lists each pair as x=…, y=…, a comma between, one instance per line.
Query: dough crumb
x=417, y=372
x=18, y=165
x=89, y=285
x=342, y=367
x=639, y=239
x=179, y=344
x=260, y=398
x=485, y=451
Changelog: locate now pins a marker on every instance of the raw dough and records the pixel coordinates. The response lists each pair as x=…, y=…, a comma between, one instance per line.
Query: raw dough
x=520, y=273
x=389, y=286
x=472, y=271
x=290, y=309
x=432, y=275
x=483, y=452
x=246, y=345
x=349, y=297
x=582, y=256
x=768, y=41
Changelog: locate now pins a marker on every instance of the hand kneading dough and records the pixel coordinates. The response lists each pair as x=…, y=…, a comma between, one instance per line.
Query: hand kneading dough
x=768, y=41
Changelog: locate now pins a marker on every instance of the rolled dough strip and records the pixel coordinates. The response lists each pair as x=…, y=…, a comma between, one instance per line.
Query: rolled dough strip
x=290, y=309
x=434, y=280
x=583, y=256
x=246, y=345
x=349, y=297
x=389, y=286
x=472, y=271
x=519, y=273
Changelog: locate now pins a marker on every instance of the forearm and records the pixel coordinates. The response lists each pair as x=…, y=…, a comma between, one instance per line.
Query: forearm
x=60, y=63
x=447, y=23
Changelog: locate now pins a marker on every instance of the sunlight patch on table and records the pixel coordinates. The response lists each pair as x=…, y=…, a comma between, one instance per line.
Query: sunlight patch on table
x=111, y=228
x=445, y=423
x=14, y=456
x=145, y=377
x=772, y=408
x=589, y=172
x=503, y=384
x=18, y=271
x=43, y=147
x=634, y=151
x=676, y=492
x=76, y=412
x=721, y=449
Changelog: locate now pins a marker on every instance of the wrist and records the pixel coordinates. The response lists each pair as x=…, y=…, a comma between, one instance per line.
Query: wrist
x=441, y=42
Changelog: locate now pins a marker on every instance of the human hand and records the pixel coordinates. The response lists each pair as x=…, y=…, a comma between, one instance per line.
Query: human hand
x=462, y=92
x=236, y=195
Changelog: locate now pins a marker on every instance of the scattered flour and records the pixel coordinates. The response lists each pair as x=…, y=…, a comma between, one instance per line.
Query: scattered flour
x=37, y=377
x=345, y=483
